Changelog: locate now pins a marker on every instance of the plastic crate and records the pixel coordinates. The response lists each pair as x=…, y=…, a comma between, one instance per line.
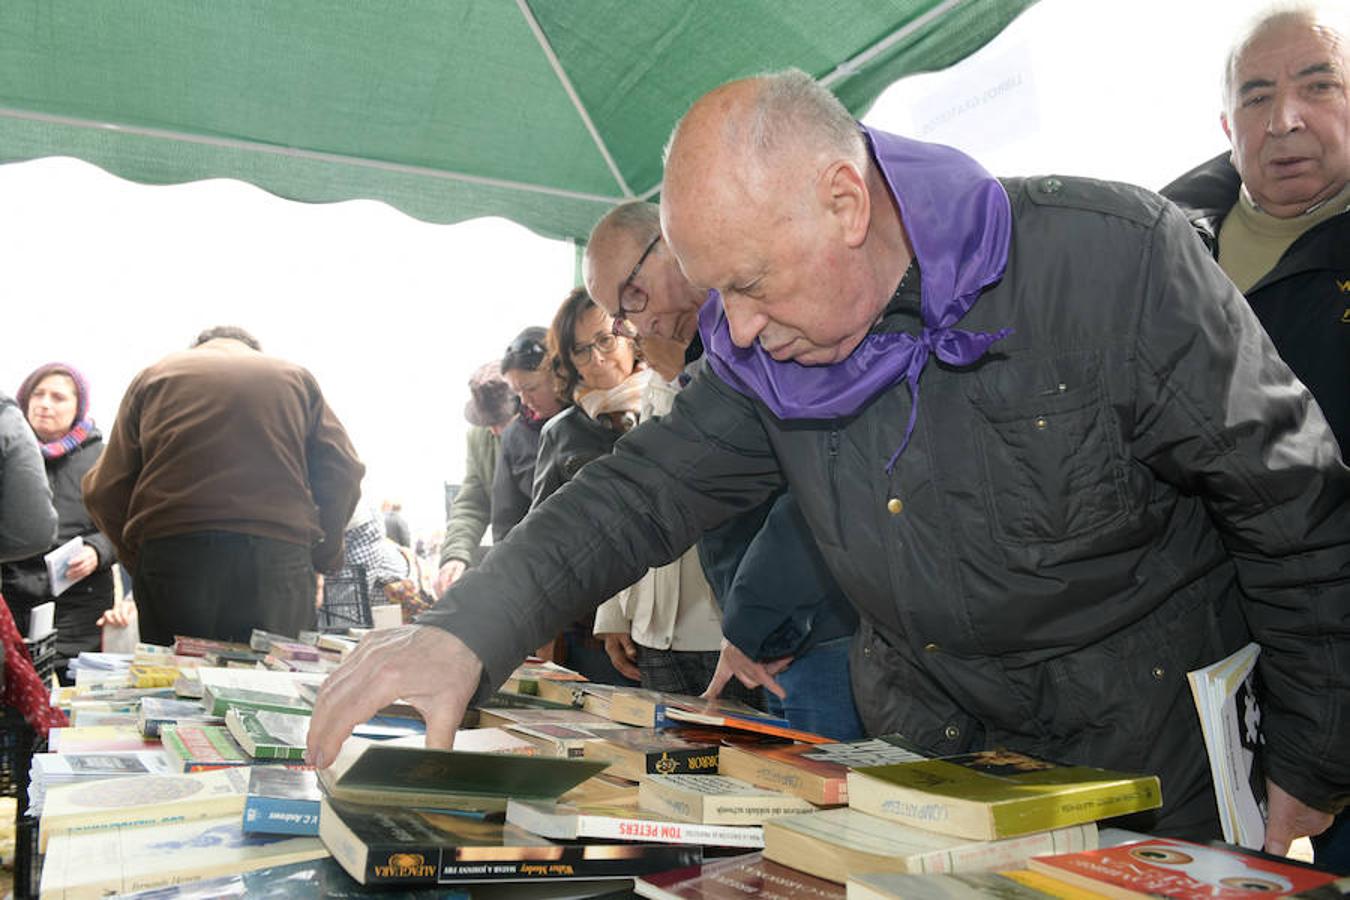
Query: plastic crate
x=16, y=755
x=346, y=602
x=27, y=860
x=43, y=653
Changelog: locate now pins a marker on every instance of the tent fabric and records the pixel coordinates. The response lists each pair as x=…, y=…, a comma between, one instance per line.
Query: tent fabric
x=546, y=112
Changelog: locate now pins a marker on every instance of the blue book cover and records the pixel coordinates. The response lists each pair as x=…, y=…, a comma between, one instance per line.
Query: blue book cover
x=282, y=801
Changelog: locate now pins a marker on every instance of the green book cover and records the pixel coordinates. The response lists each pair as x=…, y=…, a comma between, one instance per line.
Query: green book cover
x=197, y=747
x=997, y=793
x=268, y=735
x=217, y=699
x=412, y=776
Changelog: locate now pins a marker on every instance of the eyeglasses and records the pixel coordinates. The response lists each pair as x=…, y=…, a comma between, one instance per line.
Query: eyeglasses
x=632, y=299
x=605, y=342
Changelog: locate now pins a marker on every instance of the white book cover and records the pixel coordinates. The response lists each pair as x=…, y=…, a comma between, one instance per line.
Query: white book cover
x=622, y=823
x=58, y=562
x=41, y=620
x=123, y=860
x=1231, y=722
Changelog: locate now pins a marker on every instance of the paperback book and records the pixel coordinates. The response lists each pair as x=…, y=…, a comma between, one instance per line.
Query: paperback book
x=282, y=800
x=140, y=800
x=123, y=860
x=1166, y=867
x=997, y=793
x=734, y=878
x=197, y=748
x=393, y=845
x=217, y=699
x=815, y=772
x=1230, y=720
x=268, y=735
x=382, y=774
x=156, y=712
x=566, y=741
x=715, y=800
x=835, y=843
x=634, y=752
x=620, y=822
x=1012, y=884
x=656, y=709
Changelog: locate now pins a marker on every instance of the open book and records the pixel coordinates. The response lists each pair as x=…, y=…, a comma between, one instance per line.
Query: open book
x=1231, y=722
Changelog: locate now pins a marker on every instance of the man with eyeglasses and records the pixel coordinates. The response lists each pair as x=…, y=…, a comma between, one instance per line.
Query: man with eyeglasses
x=785, y=622
x=1040, y=438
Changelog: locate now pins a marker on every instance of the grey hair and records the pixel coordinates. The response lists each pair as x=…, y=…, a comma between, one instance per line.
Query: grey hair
x=233, y=332
x=1335, y=14
x=792, y=109
x=637, y=218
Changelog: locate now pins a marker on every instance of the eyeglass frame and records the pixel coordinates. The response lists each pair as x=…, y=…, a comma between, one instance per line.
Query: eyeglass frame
x=621, y=319
x=582, y=354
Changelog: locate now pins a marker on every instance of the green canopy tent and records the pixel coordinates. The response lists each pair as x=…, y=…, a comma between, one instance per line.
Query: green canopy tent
x=546, y=112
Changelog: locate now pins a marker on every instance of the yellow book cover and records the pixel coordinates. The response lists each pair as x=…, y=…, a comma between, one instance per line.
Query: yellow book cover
x=140, y=800
x=997, y=793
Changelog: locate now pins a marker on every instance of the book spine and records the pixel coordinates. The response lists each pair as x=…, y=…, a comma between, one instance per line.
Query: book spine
x=669, y=832
x=693, y=761
x=1009, y=853
x=819, y=789
x=277, y=815
x=1087, y=805
x=931, y=813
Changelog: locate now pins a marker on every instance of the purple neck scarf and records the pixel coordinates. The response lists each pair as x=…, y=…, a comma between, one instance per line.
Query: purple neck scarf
x=959, y=222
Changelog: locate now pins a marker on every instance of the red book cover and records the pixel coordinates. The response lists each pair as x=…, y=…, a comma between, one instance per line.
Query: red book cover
x=736, y=877
x=1165, y=867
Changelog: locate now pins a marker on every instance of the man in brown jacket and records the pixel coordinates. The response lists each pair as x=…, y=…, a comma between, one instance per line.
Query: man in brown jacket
x=226, y=482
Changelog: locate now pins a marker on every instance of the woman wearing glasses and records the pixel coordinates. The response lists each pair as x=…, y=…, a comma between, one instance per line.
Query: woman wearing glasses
x=665, y=631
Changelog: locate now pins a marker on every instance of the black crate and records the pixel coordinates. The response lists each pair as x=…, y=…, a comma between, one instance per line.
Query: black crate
x=17, y=740
x=346, y=602
x=26, y=858
x=43, y=653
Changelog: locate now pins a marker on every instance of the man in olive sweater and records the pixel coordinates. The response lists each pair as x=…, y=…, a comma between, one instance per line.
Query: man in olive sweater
x=226, y=482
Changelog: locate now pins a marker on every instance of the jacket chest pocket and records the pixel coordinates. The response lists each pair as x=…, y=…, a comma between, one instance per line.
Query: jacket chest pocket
x=1053, y=468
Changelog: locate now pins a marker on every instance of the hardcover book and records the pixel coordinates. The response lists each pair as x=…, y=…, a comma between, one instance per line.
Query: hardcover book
x=196, y=748
x=634, y=752
x=1166, y=867
x=268, y=735
x=282, y=800
x=381, y=774
x=815, y=772
x=835, y=843
x=621, y=822
x=123, y=860
x=735, y=878
x=140, y=800
x=393, y=845
x=997, y=793
x=715, y=800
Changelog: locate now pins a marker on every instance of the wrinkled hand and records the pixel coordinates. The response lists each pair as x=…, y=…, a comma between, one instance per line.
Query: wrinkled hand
x=623, y=653
x=83, y=564
x=748, y=672
x=119, y=615
x=664, y=355
x=448, y=575
x=425, y=666
x=1288, y=818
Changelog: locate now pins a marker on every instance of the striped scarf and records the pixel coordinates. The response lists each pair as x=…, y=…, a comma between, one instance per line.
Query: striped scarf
x=78, y=433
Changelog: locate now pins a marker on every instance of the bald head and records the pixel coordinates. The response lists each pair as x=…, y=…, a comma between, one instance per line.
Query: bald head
x=768, y=198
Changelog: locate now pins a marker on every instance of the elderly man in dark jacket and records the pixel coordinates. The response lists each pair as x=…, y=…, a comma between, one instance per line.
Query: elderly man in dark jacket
x=1275, y=213
x=1105, y=477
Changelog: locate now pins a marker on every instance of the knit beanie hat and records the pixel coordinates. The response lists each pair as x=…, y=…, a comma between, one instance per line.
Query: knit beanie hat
x=81, y=387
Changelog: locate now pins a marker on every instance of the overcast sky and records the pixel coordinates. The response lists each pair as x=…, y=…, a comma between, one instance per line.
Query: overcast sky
x=391, y=314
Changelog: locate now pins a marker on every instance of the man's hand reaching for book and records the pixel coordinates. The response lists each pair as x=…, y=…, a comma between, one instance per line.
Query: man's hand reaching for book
x=424, y=666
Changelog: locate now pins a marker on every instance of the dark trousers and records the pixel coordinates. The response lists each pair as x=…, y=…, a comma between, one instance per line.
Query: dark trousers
x=688, y=672
x=222, y=585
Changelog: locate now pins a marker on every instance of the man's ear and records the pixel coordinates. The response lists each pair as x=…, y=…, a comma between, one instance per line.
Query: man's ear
x=1227, y=129
x=842, y=191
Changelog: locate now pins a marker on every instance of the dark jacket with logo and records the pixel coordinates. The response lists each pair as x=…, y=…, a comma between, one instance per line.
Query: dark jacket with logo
x=1111, y=497
x=1304, y=302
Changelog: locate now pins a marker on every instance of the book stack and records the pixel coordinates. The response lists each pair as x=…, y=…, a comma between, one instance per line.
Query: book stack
x=972, y=813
